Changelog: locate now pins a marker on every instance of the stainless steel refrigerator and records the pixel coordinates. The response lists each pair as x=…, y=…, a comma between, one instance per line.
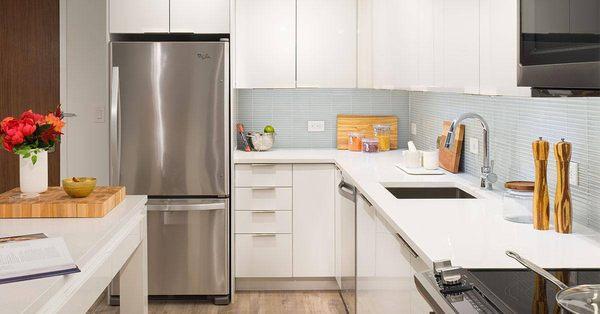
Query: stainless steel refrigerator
x=170, y=126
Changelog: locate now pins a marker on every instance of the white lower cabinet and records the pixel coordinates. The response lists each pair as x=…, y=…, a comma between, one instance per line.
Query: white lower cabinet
x=263, y=255
x=385, y=267
x=284, y=220
x=313, y=216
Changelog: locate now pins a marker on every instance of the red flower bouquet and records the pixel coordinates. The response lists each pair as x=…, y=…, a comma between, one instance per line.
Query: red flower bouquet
x=31, y=133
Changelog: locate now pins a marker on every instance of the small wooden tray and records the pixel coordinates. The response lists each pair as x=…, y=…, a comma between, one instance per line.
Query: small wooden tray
x=55, y=203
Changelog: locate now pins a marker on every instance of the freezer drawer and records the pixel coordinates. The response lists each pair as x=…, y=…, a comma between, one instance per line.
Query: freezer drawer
x=188, y=247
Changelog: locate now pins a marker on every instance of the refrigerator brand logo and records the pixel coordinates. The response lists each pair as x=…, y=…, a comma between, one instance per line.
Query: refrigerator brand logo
x=203, y=56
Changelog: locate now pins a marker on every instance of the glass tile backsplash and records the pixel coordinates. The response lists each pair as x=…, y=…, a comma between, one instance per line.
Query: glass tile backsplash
x=514, y=122
x=289, y=110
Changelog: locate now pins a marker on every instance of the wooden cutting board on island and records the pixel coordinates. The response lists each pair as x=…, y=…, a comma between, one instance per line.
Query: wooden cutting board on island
x=55, y=203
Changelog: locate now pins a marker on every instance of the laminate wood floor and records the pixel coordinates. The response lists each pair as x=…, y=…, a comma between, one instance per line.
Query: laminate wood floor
x=266, y=302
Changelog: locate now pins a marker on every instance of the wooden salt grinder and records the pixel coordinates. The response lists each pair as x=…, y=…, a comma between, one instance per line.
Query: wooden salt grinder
x=541, y=202
x=563, y=208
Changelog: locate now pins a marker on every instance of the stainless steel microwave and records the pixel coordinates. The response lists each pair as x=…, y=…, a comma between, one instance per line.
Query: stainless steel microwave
x=560, y=45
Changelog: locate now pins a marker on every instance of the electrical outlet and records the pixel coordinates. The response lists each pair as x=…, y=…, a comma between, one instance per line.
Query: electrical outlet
x=316, y=126
x=413, y=128
x=99, y=114
x=474, y=145
x=574, y=173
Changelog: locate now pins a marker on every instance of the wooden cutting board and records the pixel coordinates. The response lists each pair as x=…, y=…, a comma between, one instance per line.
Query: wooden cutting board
x=56, y=203
x=364, y=124
x=450, y=157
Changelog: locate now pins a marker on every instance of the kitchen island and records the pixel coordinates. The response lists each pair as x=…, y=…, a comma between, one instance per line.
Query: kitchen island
x=470, y=232
x=101, y=247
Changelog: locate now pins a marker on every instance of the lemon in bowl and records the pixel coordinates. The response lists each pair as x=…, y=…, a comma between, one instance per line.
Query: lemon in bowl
x=79, y=187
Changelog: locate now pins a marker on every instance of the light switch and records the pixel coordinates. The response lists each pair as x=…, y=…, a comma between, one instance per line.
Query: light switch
x=474, y=145
x=99, y=114
x=316, y=126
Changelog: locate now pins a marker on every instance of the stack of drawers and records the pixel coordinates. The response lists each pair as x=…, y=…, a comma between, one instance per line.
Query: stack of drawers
x=263, y=220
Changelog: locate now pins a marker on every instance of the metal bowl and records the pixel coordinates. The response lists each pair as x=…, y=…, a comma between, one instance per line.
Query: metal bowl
x=261, y=141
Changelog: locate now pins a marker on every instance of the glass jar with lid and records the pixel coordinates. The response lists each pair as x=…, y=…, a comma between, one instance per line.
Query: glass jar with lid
x=370, y=145
x=517, y=201
x=383, y=133
x=355, y=141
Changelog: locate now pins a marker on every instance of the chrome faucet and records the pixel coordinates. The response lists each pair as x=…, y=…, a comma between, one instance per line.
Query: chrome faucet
x=488, y=177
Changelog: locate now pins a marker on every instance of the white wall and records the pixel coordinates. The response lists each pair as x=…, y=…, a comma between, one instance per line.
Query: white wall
x=84, y=88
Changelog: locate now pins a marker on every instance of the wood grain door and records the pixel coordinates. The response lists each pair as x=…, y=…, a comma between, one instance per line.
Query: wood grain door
x=29, y=71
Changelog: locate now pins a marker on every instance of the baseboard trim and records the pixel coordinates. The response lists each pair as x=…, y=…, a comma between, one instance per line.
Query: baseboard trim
x=279, y=284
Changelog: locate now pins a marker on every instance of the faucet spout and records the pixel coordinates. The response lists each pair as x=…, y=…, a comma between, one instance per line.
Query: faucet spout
x=488, y=177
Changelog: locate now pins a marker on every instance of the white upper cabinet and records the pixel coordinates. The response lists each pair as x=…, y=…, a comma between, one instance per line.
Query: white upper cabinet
x=395, y=44
x=326, y=43
x=499, y=44
x=266, y=44
x=200, y=16
x=427, y=45
x=163, y=16
x=385, y=47
x=139, y=16
x=460, y=40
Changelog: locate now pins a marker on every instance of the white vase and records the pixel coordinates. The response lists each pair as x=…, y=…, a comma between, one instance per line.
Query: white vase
x=34, y=178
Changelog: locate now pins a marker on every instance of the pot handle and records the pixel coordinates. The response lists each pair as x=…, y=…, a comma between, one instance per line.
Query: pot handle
x=538, y=270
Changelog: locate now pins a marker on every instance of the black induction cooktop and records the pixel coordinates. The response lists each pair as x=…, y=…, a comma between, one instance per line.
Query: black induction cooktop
x=451, y=289
x=526, y=292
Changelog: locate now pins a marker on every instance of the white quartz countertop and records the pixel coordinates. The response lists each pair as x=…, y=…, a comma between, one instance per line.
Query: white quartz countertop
x=84, y=238
x=470, y=232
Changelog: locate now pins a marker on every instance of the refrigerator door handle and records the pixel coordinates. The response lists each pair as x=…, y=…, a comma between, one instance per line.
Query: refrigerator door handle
x=187, y=207
x=115, y=127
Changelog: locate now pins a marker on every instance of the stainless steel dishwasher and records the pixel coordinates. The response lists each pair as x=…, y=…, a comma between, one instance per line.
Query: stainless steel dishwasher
x=348, y=244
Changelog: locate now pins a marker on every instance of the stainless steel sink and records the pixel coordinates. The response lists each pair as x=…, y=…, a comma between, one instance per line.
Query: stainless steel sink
x=429, y=193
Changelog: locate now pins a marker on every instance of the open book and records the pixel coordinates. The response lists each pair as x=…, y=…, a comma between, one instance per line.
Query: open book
x=34, y=256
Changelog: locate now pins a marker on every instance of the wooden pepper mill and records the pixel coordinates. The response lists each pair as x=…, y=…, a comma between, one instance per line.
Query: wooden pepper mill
x=563, y=210
x=541, y=202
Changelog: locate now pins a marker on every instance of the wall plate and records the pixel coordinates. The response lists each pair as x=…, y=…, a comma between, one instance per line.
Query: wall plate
x=316, y=126
x=474, y=145
x=574, y=173
x=413, y=128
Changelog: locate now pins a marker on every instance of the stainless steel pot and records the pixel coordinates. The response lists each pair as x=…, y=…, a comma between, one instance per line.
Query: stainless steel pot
x=580, y=299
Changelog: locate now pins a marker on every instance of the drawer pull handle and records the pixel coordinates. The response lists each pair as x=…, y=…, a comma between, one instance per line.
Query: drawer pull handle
x=262, y=235
x=263, y=165
x=263, y=212
x=412, y=252
x=262, y=188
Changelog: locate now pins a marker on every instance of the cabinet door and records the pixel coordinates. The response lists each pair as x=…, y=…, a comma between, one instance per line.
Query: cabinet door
x=364, y=63
x=366, y=294
x=199, y=16
x=266, y=44
x=385, y=30
x=326, y=43
x=461, y=45
x=407, y=75
x=139, y=16
x=499, y=44
x=313, y=220
x=393, y=272
x=426, y=45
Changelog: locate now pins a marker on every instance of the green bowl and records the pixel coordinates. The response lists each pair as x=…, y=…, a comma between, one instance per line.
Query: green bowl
x=79, y=187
